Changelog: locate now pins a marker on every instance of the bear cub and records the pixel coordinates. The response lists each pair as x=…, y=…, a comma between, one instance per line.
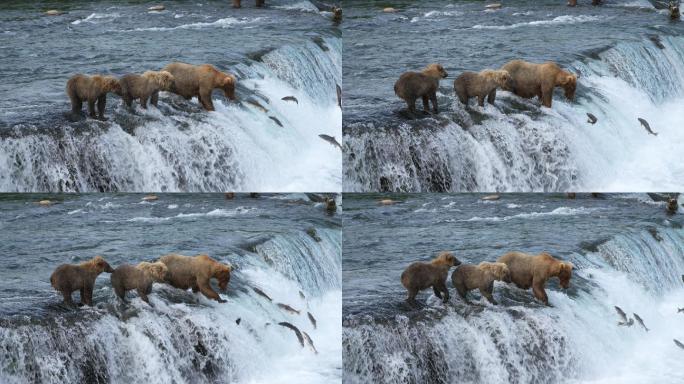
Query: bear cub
x=482, y=276
x=420, y=275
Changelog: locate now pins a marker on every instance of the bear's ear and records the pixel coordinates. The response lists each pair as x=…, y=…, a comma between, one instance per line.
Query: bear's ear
x=229, y=80
x=567, y=266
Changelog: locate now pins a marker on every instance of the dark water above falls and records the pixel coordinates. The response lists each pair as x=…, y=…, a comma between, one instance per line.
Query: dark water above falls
x=288, y=48
x=182, y=339
x=626, y=252
x=628, y=56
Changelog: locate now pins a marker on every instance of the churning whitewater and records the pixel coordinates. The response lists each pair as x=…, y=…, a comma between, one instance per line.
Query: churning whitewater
x=626, y=250
x=258, y=143
x=628, y=59
x=284, y=246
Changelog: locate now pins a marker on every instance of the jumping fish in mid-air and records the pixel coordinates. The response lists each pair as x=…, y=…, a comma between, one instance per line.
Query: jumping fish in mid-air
x=262, y=293
x=257, y=104
x=621, y=313
x=679, y=344
x=295, y=330
x=276, y=120
x=680, y=310
x=330, y=139
x=290, y=98
x=592, y=118
x=339, y=95
x=288, y=308
x=312, y=319
x=641, y=322
x=648, y=127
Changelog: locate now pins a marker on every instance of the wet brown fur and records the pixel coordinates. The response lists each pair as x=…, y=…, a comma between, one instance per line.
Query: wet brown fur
x=145, y=86
x=196, y=272
x=534, y=270
x=529, y=80
x=468, y=277
x=68, y=278
x=238, y=3
x=421, y=275
x=474, y=84
x=200, y=81
x=127, y=277
x=412, y=86
x=91, y=89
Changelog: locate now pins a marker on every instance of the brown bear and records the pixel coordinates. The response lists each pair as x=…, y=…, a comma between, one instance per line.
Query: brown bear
x=420, y=275
x=529, y=80
x=534, y=270
x=195, y=272
x=473, y=84
x=68, y=278
x=82, y=88
x=200, y=80
x=144, y=87
x=238, y=3
x=482, y=276
x=424, y=84
x=140, y=278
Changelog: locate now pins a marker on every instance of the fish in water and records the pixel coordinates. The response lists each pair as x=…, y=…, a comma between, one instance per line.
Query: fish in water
x=648, y=127
x=330, y=139
x=290, y=98
x=640, y=321
x=296, y=331
x=258, y=105
x=301, y=294
x=288, y=308
x=276, y=120
x=262, y=293
x=628, y=323
x=491, y=198
x=680, y=310
x=592, y=118
x=339, y=95
x=622, y=313
x=679, y=344
x=308, y=340
x=238, y=321
x=312, y=319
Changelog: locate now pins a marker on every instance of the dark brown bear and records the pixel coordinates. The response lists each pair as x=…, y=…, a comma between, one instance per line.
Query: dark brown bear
x=529, y=80
x=534, y=270
x=92, y=89
x=238, y=3
x=414, y=85
x=420, y=275
x=473, y=84
x=68, y=278
x=200, y=81
x=140, y=278
x=144, y=87
x=468, y=277
x=195, y=272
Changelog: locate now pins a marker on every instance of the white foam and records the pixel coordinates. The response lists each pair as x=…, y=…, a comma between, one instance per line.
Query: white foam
x=94, y=17
x=560, y=211
x=565, y=19
x=227, y=22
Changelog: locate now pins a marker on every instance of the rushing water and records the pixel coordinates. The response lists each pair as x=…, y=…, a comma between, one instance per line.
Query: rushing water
x=627, y=252
x=288, y=48
x=629, y=59
x=185, y=338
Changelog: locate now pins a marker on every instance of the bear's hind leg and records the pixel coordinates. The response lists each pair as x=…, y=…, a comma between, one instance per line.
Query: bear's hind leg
x=480, y=100
x=426, y=104
x=154, y=99
x=143, y=102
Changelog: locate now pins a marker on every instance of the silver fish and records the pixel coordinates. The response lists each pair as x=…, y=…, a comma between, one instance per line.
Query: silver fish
x=641, y=322
x=339, y=95
x=288, y=308
x=276, y=120
x=330, y=139
x=308, y=340
x=679, y=344
x=262, y=293
x=312, y=319
x=622, y=313
x=296, y=331
x=258, y=105
x=290, y=98
x=592, y=118
x=648, y=127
